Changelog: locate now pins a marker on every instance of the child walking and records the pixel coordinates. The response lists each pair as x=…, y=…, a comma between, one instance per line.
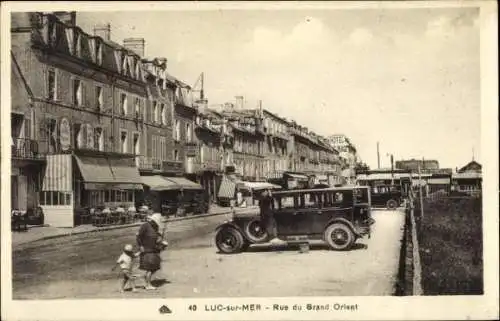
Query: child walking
x=125, y=262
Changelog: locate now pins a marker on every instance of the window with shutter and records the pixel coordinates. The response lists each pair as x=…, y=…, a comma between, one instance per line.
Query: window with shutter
x=77, y=92
x=123, y=140
x=98, y=98
x=52, y=135
x=137, y=107
x=123, y=104
x=137, y=144
x=90, y=137
x=51, y=85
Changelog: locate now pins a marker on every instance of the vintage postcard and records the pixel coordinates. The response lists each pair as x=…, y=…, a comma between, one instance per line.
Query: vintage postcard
x=249, y=160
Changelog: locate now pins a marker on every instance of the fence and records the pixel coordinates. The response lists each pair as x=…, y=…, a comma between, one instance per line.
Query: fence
x=410, y=273
x=421, y=227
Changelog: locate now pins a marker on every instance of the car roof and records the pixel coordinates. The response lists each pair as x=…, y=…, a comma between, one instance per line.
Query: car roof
x=318, y=190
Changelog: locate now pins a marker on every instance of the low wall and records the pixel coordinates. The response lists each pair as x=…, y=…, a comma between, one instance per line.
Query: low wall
x=410, y=269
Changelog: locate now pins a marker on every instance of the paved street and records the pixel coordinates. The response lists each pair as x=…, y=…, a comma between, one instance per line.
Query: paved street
x=79, y=266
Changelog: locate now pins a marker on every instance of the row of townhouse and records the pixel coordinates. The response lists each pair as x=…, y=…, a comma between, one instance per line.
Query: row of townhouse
x=91, y=118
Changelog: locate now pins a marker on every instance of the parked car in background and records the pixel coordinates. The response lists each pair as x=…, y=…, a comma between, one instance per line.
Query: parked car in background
x=388, y=196
x=338, y=216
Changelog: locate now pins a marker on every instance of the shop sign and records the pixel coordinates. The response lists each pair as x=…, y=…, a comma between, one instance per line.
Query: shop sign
x=64, y=134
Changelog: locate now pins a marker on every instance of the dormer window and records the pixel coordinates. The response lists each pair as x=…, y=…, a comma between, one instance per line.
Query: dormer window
x=98, y=52
x=78, y=44
x=124, y=63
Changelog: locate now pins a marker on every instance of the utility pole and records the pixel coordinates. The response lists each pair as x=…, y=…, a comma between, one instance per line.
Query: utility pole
x=420, y=193
x=392, y=169
x=378, y=156
x=202, y=92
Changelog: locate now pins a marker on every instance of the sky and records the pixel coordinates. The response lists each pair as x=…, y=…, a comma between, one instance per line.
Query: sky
x=407, y=78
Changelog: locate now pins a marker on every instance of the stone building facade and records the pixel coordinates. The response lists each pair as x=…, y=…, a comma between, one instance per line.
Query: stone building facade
x=84, y=91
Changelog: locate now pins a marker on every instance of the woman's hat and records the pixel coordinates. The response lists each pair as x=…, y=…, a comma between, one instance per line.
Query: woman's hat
x=156, y=217
x=128, y=248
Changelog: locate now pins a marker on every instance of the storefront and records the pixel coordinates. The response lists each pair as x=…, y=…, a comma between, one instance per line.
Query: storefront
x=167, y=195
x=251, y=190
x=73, y=181
x=296, y=181
x=467, y=182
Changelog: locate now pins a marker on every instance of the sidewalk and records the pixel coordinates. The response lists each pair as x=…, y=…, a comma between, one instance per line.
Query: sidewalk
x=36, y=233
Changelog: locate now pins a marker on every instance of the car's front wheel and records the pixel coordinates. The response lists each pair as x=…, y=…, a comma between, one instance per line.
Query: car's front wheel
x=256, y=231
x=339, y=236
x=229, y=240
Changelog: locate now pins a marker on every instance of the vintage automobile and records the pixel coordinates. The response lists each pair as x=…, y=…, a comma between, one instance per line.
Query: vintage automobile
x=337, y=215
x=388, y=196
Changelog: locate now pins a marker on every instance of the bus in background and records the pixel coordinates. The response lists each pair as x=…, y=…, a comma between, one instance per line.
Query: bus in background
x=389, y=188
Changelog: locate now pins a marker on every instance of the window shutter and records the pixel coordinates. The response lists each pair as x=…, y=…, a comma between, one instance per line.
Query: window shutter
x=76, y=133
x=90, y=136
x=105, y=140
x=27, y=128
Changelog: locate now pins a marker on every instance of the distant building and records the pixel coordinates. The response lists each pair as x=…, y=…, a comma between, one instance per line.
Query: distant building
x=414, y=164
x=348, y=155
x=468, y=179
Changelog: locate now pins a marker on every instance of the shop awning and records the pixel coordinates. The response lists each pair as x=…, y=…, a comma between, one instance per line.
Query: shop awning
x=95, y=169
x=125, y=171
x=297, y=176
x=258, y=185
x=158, y=183
x=227, y=188
x=184, y=183
x=105, y=173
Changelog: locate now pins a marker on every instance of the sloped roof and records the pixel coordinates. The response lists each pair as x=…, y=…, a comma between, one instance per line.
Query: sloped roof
x=470, y=166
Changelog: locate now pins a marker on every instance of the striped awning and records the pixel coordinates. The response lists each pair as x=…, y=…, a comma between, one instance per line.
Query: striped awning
x=227, y=188
x=58, y=173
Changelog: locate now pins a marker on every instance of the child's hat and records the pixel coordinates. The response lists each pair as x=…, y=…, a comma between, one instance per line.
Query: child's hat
x=128, y=248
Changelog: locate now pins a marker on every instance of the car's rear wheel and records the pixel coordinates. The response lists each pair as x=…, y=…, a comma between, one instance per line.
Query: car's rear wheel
x=229, y=240
x=256, y=231
x=339, y=236
x=391, y=204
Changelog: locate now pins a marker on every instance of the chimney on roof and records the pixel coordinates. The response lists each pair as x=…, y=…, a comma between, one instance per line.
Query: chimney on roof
x=103, y=31
x=67, y=17
x=162, y=62
x=136, y=45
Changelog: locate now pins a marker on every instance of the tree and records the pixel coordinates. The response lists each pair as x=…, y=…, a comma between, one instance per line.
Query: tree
x=361, y=168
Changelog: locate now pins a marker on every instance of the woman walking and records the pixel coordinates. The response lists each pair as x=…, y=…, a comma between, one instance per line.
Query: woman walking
x=150, y=242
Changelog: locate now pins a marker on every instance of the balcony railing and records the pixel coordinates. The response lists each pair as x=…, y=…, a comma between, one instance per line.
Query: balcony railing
x=148, y=163
x=24, y=148
x=208, y=165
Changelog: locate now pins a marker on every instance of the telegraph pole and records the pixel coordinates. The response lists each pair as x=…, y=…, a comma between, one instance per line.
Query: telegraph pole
x=392, y=169
x=420, y=193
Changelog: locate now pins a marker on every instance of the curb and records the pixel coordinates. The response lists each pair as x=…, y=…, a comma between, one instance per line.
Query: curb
x=124, y=226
